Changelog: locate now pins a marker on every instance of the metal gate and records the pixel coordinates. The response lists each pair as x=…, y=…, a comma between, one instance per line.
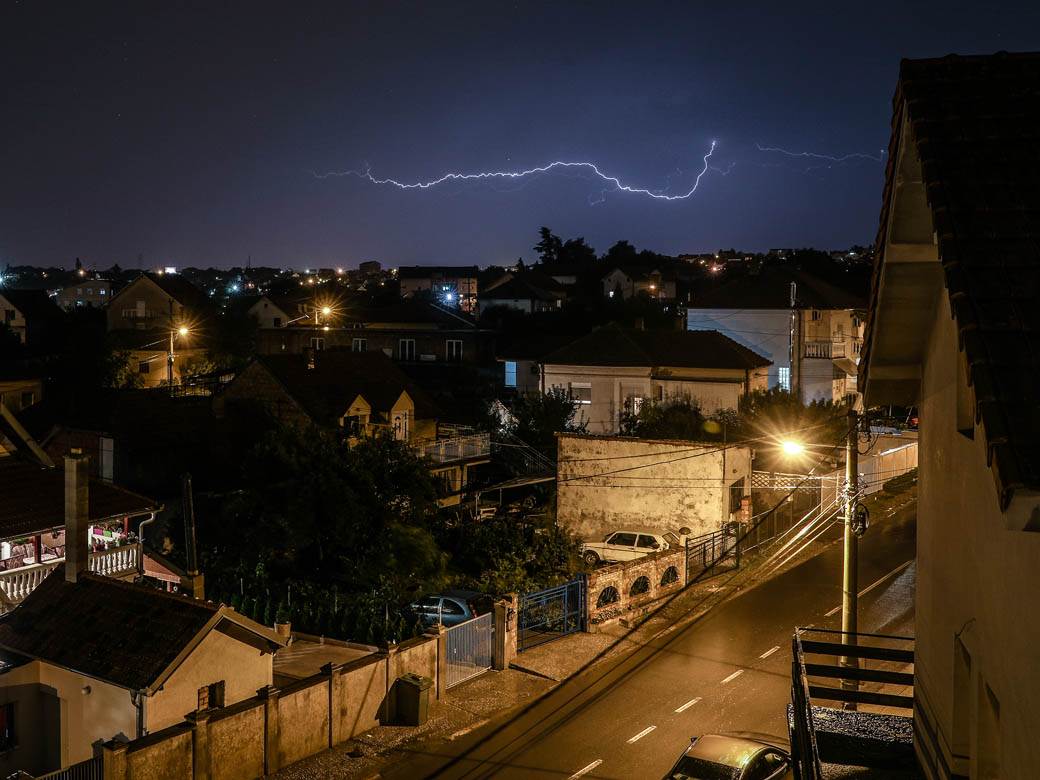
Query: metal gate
x=470, y=648
x=712, y=553
x=550, y=614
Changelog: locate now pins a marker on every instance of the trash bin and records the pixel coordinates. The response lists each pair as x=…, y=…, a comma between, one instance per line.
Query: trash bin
x=413, y=699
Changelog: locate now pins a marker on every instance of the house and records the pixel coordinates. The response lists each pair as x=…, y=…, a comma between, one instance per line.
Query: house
x=87, y=292
x=156, y=302
x=358, y=393
x=631, y=281
x=811, y=330
x=614, y=370
x=410, y=331
x=952, y=328
x=707, y=486
x=529, y=292
x=279, y=311
x=448, y=285
x=38, y=509
x=30, y=314
x=18, y=392
x=87, y=658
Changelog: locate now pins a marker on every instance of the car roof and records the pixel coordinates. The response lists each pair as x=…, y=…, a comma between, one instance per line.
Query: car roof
x=636, y=530
x=459, y=593
x=728, y=751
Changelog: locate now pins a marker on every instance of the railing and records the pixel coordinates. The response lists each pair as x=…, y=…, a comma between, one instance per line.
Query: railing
x=91, y=769
x=709, y=554
x=825, y=349
x=470, y=648
x=454, y=448
x=16, y=584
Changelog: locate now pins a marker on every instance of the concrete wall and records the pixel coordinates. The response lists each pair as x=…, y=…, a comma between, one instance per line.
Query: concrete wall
x=693, y=490
x=977, y=578
x=277, y=727
x=243, y=668
x=620, y=578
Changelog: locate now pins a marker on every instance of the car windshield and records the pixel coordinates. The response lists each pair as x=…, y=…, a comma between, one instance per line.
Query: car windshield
x=692, y=768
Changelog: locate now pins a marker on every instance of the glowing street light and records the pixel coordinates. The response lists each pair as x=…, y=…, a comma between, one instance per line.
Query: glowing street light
x=183, y=331
x=326, y=310
x=792, y=447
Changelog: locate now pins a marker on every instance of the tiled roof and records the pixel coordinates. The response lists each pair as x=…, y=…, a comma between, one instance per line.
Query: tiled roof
x=615, y=346
x=771, y=289
x=522, y=288
x=115, y=631
x=32, y=304
x=33, y=499
x=975, y=123
x=181, y=290
x=339, y=377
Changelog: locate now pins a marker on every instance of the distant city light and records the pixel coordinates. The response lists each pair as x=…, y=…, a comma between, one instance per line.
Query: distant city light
x=170, y=269
x=449, y=297
x=233, y=288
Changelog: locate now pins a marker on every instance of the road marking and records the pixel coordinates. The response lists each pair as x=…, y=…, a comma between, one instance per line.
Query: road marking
x=874, y=584
x=641, y=734
x=586, y=769
x=769, y=652
x=733, y=676
x=688, y=704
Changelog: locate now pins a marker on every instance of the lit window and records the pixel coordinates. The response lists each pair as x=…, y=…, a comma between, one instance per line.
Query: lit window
x=784, y=378
x=581, y=392
x=510, y=373
x=143, y=367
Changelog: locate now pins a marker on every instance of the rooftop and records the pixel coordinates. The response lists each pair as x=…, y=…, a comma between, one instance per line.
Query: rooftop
x=771, y=289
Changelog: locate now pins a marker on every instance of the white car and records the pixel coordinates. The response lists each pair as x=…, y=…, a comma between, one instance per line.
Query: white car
x=627, y=544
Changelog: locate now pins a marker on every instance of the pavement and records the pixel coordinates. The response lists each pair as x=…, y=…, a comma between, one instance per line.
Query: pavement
x=304, y=657
x=714, y=659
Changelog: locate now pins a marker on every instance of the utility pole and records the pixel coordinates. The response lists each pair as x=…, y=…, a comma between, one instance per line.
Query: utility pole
x=169, y=353
x=850, y=580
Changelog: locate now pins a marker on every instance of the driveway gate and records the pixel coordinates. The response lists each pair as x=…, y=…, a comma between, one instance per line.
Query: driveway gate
x=550, y=614
x=470, y=648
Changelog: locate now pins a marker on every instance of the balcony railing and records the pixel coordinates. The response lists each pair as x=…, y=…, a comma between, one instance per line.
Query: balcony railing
x=454, y=448
x=16, y=584
x=825, y=349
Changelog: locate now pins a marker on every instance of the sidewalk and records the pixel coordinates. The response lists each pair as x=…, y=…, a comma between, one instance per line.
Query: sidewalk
x=496, y=694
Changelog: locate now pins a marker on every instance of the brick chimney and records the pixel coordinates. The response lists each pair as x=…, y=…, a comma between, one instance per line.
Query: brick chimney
x=77, y=514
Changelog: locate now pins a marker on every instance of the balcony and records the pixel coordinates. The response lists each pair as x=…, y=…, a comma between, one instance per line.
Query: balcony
x=825, y=349
x=454, y=444
x=16, y=584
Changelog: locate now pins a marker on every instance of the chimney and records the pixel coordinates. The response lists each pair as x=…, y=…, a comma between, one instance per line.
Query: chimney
x=77, y=514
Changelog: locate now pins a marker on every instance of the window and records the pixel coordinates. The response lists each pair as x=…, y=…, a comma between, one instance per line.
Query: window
x=317, y=344
x=401, y=426
x=647, y=542
x=623, y=540
x=103, y=291
x=351, y=424
x=28, y=398
x=143, y=367
x=359, y=345
x=784, y=378
x=8, y=735
x=406, y=349
x=277, y=322
x=451, y=608
x=453, y=350
x=211, y=696
x=634, y=404
x=814, y=315
x=767, y=766
x=106, y=446
x=581, y=392
x=510, y=373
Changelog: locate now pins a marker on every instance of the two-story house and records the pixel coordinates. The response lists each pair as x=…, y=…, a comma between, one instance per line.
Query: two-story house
x=529, y=292
x=448, y=285
x=811, y=330
x=627, y=282
x=85, y=292
x=613, y=371
x=953, y=328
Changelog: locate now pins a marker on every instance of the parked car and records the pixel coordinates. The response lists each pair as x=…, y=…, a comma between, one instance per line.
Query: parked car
x=626, y=544
x=452, y=607
x=717, y=757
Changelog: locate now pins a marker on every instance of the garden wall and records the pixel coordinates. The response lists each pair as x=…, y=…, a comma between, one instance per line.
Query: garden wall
x=627, y=589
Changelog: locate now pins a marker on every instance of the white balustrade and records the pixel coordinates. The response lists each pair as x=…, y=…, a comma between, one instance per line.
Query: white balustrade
x=16, y=584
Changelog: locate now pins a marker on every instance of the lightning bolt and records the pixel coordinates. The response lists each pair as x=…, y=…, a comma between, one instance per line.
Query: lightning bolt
x=614, y=181
x=828, y=157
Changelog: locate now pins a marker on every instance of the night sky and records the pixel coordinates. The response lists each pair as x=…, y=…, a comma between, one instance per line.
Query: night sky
x=192, y=136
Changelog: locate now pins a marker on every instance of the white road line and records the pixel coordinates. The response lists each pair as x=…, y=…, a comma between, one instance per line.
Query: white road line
x=688, y=704
x=769, y=652
x=874, y=584
x=641, y=734
x=586, y=769
x=733, y=676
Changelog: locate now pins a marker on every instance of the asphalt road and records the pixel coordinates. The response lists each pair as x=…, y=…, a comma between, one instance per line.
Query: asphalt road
x=728, y=671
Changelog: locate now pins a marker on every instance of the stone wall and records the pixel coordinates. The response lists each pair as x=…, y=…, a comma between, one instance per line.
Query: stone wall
x=627, y=589
x=665, y=485
x=279, y=726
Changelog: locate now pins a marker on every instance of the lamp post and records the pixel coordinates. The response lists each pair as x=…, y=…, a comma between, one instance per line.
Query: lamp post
x=181, y=331
x=850, y=567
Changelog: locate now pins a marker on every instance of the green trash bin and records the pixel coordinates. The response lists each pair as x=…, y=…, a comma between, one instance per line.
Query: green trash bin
x=413, y=699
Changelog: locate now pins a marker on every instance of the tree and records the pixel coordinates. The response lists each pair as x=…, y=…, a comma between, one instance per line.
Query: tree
x=548, y=247
x=537, y=419
x=678, y=419
x=622, y=253
x=576, y=252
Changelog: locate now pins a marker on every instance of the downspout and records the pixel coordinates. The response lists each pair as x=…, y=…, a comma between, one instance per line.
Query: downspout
x=137, y=698
x=140, y=540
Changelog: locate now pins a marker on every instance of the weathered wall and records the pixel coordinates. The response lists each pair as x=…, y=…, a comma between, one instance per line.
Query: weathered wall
x=236, y=742
x=303, y=720
x=611, y=590
x=976, y=577
x=668, y=484
x=360, y=688
x=164, y=755
x=218, y=657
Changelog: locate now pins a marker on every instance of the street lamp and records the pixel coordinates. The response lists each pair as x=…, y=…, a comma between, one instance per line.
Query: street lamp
x=183, y=331
x=792, y=447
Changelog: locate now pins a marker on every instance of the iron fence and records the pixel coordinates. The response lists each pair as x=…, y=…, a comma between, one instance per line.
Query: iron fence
x=709, y=554
x=470, y=648
x=552, y=613
x=90, y=769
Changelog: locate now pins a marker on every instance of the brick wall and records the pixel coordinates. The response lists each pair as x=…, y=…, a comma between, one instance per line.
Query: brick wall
x=617, y=591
